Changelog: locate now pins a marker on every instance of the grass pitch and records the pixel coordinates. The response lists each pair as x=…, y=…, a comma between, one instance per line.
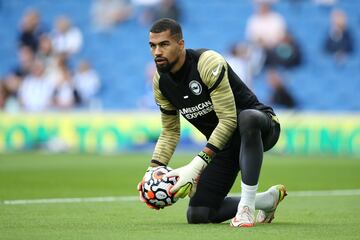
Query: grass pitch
x=31, y=176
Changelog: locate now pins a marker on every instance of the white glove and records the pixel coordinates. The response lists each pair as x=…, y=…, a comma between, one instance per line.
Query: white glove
x=188, y=176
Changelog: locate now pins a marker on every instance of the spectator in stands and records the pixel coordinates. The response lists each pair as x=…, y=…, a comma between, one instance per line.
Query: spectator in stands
x=25, y=60
x=339, y=40
x=106, y=14
x=265, y=28
x=4, y=94
x=163, y=9
x=64, y=92
x=49, y=58
x=239, y=60
x=66, y=38
x=22, y=69
x=286, y=54
x=8, y=102
x=31, y=30
x=45, y=52
x=280, y=95
x=87, y=84
x=36, y=91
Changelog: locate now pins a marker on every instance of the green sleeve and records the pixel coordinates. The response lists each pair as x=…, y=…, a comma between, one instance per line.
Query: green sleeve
x=213, y=71
x=170, y=122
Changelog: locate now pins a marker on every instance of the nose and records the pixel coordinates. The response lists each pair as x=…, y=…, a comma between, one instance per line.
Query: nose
x=157, y=51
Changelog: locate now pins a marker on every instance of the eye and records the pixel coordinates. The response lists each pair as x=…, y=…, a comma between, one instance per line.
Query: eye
x=164, y=44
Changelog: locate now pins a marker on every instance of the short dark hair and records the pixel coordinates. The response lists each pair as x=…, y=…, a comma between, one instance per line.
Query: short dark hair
x=165, y=24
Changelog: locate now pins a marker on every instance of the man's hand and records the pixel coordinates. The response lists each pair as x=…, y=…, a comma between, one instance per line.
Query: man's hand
x=188, y=176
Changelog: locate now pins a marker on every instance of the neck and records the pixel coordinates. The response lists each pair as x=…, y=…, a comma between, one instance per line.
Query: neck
x=180, y=62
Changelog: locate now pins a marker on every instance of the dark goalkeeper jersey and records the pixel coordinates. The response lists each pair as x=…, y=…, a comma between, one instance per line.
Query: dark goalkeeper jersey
x=207, y=93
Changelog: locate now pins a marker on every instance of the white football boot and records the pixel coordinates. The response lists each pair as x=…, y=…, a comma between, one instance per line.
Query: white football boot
x=244, y=218
x=266, y=216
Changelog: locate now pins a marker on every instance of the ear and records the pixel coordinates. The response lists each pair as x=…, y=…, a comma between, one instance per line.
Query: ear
x=181, y=44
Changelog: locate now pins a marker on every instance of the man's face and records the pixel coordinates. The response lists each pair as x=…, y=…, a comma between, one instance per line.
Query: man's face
x=165, y=49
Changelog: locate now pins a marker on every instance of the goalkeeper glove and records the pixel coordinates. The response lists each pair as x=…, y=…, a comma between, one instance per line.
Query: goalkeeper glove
x=188, y=175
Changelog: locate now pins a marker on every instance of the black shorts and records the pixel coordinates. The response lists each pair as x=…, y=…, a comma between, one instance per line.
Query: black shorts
x=219, y=176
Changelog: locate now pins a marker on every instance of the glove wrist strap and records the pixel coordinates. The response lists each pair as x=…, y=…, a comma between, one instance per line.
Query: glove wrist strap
x=204, y=156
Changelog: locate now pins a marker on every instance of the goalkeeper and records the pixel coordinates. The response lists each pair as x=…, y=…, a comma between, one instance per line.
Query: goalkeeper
x=202, y=87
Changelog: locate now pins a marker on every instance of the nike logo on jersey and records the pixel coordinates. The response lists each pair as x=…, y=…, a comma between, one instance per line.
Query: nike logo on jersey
x=217, y=70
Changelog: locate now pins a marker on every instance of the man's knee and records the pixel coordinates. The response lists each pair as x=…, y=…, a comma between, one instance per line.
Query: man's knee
x=197, y=215
x=251, y=119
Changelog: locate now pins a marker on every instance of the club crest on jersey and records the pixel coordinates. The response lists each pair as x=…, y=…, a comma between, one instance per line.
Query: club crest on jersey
x=195, y=87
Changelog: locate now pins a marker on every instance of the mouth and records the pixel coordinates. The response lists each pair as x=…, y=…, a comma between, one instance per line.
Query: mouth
x=160, y=61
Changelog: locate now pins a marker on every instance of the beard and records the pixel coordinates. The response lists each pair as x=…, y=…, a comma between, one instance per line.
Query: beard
x=166, y=66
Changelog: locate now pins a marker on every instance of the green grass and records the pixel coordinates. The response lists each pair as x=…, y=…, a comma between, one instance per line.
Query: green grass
x=38, y=176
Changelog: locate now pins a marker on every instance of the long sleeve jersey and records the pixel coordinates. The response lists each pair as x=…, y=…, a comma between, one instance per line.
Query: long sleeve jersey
x=207, y=93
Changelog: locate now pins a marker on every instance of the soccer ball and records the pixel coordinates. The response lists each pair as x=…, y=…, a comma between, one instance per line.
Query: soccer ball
x=156, y=187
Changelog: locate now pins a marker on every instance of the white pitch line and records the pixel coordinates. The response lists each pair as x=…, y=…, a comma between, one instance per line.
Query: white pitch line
x=326, y=193
x=348, y=192
x=70, y=200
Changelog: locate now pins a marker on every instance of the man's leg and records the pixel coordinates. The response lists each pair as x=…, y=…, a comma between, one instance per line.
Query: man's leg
x=266, y=201
x=209, y=203
x=226, y=211
x=254, y=126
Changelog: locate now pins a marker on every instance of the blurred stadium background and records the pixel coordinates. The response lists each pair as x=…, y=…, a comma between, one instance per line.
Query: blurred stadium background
x=319, y=147
x=322, y=115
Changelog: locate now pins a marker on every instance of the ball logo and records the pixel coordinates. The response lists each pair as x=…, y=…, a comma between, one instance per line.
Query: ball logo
x=195, y=87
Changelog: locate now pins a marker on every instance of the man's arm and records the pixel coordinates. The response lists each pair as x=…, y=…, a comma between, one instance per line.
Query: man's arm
x=167, y=141
x=214, y=73
x=170, y=133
